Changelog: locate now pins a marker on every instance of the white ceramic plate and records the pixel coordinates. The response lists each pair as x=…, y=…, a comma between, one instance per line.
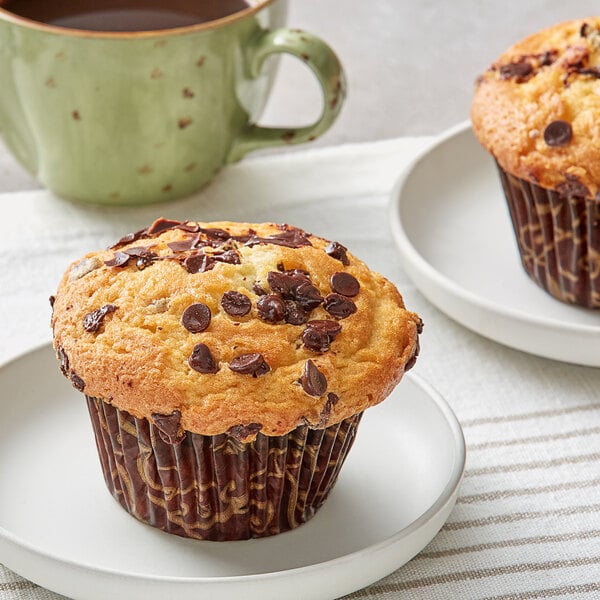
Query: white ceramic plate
x=59, y=526
x=451, y=224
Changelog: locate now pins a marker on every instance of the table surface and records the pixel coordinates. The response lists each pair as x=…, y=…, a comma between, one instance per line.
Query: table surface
x=527, y=524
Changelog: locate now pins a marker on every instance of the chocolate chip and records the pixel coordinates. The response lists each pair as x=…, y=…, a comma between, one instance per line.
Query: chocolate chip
x=78, y=383
x=196, y=317
x=330, y=402
x=420, y=326
x=410, y=364
x=413, y=359
x=313, y=382
x=230, y=257
x=547, y=58
x=291, y=238
x=161, y=224
x=521, y=71
x=198, y=263
x=119, y=259
x=63, y=360
x=285, y=283
x=577, y=62
x=139, y=251
x=52, y=300
x=250, y=364
x=339, y=306
x=558, y=133
x=526, y=66
x=319, y=334
x=307, y=296
x=591, y=71
x=316, y=340
x=337, y=251
x=332, y=328
x=93, y=320
x=584, y=30
x=169, y=427
x=128, y=238
x=236, y=304
x=142, y=254
x=241, y=432
x=345, y=284
x=298, y=272
x=271, y=308
x=258, y=290
x=215, y=233
x=295, y=285
x=184, y=245
x=202, y=360
x=65, y=369
x=294, y=313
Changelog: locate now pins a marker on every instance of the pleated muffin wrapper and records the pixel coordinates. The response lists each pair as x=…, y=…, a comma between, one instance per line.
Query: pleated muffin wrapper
x=558, y=236
x=216, y=487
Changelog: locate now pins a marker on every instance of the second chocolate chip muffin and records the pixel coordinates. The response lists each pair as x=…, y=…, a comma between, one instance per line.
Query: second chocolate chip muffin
x=537, y=111
x=226, y=366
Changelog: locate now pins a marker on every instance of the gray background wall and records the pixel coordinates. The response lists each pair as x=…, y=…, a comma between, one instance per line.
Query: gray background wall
x=410, y=64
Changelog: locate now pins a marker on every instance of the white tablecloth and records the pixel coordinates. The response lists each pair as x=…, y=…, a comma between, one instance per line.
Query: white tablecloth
x=527, y=522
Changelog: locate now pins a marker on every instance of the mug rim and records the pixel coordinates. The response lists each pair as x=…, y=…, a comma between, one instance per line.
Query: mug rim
x=10, y=17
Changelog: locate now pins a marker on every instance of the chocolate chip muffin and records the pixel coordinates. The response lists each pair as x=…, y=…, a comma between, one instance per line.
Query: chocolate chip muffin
x=537, y=111
x=226, y=367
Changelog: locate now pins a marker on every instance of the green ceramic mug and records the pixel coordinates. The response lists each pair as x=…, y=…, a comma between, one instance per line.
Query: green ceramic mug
x=127, y=118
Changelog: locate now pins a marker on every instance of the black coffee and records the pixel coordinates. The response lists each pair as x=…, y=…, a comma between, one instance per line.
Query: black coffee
x=123, y=15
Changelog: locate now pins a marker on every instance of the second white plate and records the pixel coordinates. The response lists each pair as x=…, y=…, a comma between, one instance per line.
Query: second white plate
x=60, y=527
x=451, y=224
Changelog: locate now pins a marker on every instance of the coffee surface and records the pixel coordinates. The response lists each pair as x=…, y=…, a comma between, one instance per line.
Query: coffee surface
x=124, y=15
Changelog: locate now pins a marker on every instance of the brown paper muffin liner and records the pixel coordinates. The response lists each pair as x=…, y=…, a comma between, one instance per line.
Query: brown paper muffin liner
x=215, y=487
x=558, y=236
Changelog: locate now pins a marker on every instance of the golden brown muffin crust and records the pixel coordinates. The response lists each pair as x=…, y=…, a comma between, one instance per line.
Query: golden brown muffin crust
x=551, y=76
x=119, y=334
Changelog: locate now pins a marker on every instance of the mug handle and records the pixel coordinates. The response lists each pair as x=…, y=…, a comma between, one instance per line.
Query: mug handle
x=325, y=65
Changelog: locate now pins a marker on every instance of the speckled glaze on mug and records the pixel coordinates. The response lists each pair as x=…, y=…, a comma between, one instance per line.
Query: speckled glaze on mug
x=133, y=118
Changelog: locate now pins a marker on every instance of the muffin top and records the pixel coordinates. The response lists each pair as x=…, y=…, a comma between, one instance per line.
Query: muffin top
x=231, y=328
x=537, y=108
